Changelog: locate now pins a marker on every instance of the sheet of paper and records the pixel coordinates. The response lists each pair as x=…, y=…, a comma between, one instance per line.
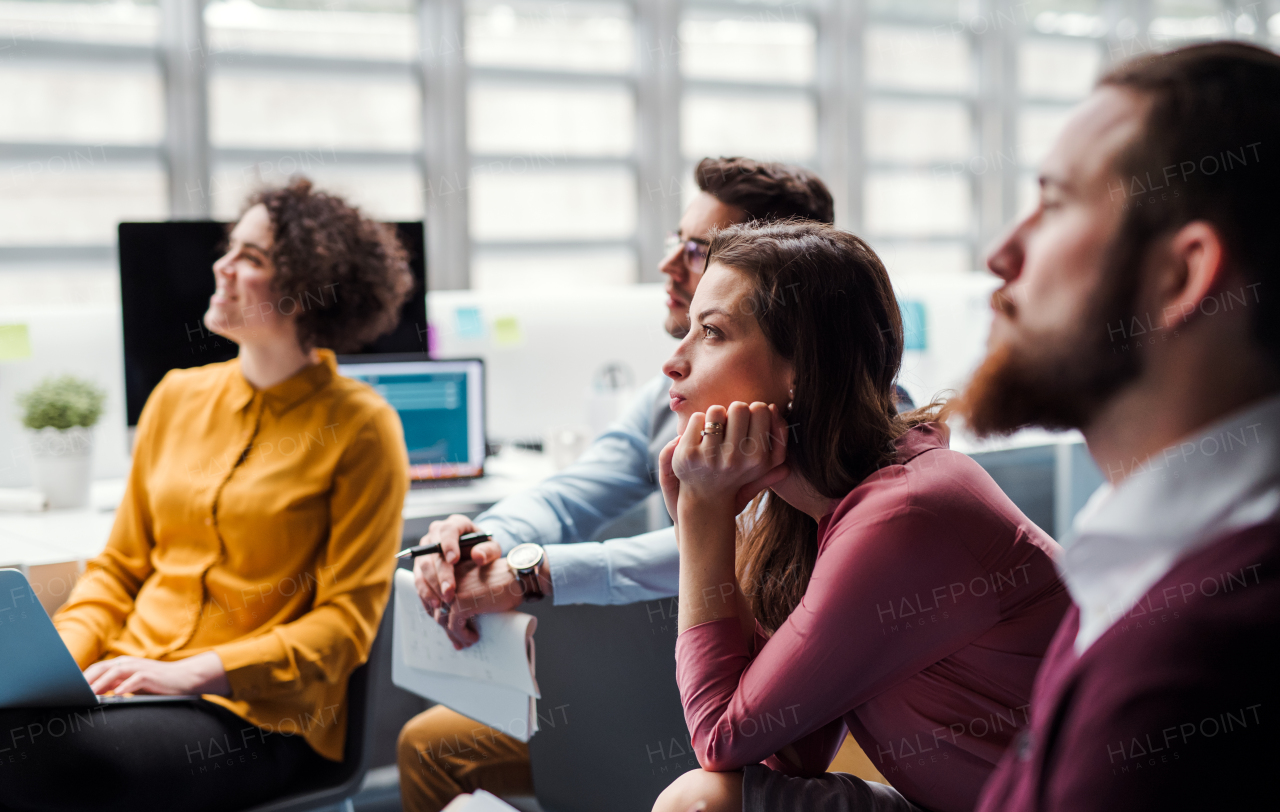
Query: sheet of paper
x=482, y=801
x=510, y=711
x=504, y=655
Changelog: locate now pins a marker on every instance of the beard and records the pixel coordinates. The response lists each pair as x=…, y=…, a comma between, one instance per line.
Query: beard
x=1054, y=380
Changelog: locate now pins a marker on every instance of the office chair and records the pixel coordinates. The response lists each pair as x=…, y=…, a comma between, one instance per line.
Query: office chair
x=338, y=786
x=611, y=733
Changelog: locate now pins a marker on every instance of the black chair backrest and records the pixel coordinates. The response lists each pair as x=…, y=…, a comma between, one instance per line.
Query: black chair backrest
x=361, y=708
x=612, y=733
x=343, y=780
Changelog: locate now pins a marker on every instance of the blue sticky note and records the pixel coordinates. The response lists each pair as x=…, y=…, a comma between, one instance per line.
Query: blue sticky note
x=470, y=325
x=913, y=326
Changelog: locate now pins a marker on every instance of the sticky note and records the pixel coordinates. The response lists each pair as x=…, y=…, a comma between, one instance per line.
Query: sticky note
x=470, y=325
x=15, y=343
x=506, y=331
x=433, y=340
x=913, y=326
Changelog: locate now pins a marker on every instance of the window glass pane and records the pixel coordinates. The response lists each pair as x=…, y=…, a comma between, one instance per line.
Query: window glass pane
x=387, y=193
x=102, y=104
x=551, y=35
x=918, y=132
x=928, y=9
x=553, y=205
x=519, y=118
x=773, y=46
x=766, y=127
x=373, y=29
x=60, y=283
x=1057, y=68
x=916, y=204
x=915, y=257
x=544, y=270
x=918, y=59
x=250, y=109
x=1073, y=18
x=77, y=206
x=1037, y=129
x=1178, y=21
x=134, y=23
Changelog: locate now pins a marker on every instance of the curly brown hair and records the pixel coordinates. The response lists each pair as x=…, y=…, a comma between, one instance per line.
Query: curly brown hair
x=345, y=275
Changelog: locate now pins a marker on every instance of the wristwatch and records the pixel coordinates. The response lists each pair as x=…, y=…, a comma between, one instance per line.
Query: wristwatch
x=524, y=560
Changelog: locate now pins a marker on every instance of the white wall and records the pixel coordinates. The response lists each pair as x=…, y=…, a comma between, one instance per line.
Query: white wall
x=82, y=340
x=539, y=380
x=957, y=319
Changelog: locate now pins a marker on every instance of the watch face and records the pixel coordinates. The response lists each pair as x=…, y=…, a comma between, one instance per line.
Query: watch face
x=524, y=556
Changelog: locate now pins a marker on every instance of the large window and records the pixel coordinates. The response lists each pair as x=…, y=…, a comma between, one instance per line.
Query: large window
x=547, y=142
x=551, y=130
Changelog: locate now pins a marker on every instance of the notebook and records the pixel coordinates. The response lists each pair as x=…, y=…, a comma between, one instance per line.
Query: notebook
x=492, y=681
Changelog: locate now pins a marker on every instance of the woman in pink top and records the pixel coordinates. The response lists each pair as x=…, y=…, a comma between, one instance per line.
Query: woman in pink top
x=885, y=585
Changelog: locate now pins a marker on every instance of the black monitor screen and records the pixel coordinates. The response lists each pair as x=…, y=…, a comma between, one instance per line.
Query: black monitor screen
x=166, y=279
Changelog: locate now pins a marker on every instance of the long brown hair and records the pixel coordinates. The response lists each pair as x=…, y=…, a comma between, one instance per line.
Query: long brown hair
x=824, y=302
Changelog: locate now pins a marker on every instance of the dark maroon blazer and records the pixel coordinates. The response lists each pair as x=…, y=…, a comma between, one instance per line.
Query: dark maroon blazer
x=1176, y=706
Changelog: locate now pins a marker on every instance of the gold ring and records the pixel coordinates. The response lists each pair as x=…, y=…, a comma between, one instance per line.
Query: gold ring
x=715, y=429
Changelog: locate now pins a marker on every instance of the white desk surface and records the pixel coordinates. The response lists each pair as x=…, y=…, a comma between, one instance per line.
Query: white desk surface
x=55, y=536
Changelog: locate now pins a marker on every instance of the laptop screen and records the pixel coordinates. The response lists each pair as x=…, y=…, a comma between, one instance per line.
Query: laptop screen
x=441, y=406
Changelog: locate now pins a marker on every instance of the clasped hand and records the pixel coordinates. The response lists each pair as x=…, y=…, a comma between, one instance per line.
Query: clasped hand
x=725, y=470
x=455, y=587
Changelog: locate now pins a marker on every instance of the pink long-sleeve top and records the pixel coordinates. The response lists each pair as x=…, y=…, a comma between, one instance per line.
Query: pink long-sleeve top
x=931, y=604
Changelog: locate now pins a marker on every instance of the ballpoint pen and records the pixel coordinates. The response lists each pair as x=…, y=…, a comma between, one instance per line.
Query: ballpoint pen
x=465, y=542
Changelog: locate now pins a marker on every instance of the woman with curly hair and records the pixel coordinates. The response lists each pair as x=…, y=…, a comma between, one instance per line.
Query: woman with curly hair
x=251, y=557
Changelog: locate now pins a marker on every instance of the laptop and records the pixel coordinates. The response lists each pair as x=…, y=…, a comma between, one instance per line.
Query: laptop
x=36, y=668
x=441, y=406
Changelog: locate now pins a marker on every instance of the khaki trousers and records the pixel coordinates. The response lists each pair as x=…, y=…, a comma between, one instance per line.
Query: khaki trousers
x=442, y=754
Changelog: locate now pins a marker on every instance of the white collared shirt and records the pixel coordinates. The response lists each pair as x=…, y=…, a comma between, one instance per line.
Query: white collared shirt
x=1127, y=538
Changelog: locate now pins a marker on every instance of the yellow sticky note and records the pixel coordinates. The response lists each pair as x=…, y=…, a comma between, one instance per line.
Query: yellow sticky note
x=506, y=331
x=15, y=343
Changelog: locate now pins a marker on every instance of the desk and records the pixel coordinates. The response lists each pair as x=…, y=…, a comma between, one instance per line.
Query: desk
x=51, y=547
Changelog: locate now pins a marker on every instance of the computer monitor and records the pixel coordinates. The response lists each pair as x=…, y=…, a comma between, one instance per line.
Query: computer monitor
x=441, y=406
x=166, y=279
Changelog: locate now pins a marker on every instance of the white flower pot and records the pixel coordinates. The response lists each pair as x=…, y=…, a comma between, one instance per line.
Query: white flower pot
x=62, y=462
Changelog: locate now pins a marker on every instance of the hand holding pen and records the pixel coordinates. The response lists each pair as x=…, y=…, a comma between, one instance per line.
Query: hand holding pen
x=466, y=542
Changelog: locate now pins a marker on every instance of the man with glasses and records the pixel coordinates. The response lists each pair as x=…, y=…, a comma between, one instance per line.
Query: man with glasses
x=442, y=753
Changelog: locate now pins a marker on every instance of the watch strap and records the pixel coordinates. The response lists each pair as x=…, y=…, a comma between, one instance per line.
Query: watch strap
x=532, y=589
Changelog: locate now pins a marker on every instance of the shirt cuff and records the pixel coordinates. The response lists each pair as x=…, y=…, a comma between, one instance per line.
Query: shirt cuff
x=579, y=573
x=246, y=663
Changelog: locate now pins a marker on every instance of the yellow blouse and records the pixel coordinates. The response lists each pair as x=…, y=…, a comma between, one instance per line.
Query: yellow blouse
x=258, y=524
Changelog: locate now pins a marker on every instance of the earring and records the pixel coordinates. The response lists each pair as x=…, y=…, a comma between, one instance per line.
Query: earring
x=791, y=393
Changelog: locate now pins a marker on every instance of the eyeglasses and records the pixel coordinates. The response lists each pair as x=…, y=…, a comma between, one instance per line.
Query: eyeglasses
x=693, y=252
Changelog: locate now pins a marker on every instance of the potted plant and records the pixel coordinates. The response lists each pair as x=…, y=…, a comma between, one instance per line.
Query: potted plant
x=61, y=413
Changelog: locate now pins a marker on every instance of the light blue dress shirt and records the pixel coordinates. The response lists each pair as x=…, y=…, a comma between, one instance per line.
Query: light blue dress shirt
x=616, y=472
